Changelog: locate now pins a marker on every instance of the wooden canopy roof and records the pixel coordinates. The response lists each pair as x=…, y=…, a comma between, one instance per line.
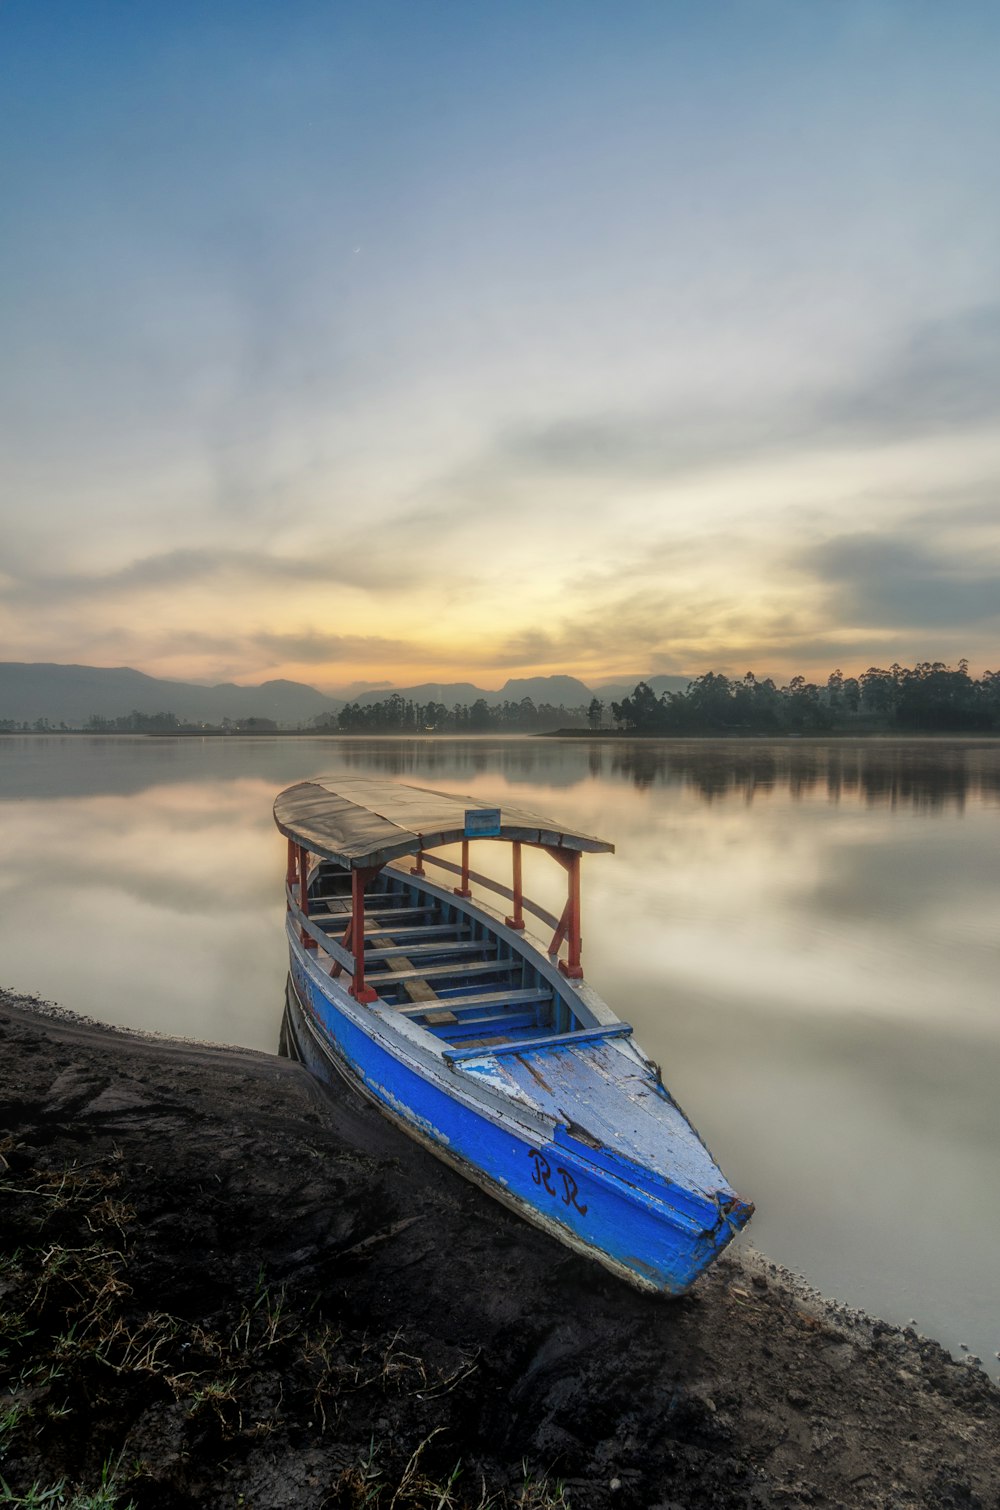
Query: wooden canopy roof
x=361, y=821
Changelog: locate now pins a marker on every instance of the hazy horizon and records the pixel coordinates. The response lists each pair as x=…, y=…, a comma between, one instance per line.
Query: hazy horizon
x=358, y=689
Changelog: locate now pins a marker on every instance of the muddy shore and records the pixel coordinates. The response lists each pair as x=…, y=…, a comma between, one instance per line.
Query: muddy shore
x=222, y=1285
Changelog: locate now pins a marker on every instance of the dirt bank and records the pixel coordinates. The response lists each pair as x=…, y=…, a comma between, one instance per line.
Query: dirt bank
x=220, y=1285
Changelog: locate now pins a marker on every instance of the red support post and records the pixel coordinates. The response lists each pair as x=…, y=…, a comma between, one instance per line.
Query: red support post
x=517, y=921
x=291, y=874
x=560, y=933
x=418, y=869
x=571, y=966
x=463, y=890
x=308, y=942
x=359, y=879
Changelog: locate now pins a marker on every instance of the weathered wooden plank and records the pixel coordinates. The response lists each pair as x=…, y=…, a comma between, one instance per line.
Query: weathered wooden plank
x=483, y=999
x=399, y=913
x=418, y=931
x=551, y=1041
x=506, y=1022
x=442, y=946
x=439, y=972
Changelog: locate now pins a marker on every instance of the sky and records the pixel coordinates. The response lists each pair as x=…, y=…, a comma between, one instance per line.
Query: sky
x=377, y=343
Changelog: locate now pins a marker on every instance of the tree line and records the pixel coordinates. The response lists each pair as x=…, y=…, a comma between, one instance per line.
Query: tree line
x=139, y=723
x=398, y=715
x=930, y=697
x=927, y=698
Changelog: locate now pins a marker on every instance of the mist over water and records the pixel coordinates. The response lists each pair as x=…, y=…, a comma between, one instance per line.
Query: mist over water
x=803, y=934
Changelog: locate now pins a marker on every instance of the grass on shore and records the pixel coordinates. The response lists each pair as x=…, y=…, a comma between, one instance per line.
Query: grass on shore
x=90, y=1372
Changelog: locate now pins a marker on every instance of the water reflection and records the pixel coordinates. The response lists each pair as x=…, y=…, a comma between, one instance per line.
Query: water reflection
x=928, y=774
x=157, y=911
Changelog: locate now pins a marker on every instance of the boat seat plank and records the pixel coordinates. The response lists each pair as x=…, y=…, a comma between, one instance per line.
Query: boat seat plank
x=418, y=990
x=429, y=930
x=372, y=913
x=372, y=898
x=388, y=922
x=482, y=999
x=441, y=946
x=436, y=972
x=550, y=1041
x=500, y=1014
x=505, y=1022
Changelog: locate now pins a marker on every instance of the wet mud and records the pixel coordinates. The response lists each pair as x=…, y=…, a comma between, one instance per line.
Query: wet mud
x=222, y=1284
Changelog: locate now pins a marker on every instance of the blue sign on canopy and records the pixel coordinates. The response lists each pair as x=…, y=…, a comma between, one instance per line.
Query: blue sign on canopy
x=482, y=822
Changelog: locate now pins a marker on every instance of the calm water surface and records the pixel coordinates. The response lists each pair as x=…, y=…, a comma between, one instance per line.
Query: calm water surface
x=804, y=935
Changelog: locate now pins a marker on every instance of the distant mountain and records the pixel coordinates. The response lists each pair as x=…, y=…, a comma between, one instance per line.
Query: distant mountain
x=70, y=694
x=614, y=692
x=545, y=689
x=448, y=693
x=541, y=689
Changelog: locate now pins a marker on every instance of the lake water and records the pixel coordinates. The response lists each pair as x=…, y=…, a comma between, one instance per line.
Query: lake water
x=804, y=935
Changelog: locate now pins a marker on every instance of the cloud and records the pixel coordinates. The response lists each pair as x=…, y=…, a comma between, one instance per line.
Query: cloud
x=318, y=648
x=305, y=647
x=667, y=626
x=188, y=566
x=942, y=378
x=890, y=579
x=969, y=509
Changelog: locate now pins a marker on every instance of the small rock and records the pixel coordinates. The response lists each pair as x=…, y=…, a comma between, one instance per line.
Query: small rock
x=114, y=1100
x=615, y=1485
x=74, y=1084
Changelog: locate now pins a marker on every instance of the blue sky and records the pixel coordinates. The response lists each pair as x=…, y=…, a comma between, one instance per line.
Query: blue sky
x=381, y=342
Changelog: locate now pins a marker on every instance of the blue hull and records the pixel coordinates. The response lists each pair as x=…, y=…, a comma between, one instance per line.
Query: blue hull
x=657, y=1225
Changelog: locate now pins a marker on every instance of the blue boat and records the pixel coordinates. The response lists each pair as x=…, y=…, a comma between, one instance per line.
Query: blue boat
x=488, y=1048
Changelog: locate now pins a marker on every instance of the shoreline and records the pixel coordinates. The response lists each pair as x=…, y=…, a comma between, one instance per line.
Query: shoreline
x=287, y=1300
x=746, y=736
